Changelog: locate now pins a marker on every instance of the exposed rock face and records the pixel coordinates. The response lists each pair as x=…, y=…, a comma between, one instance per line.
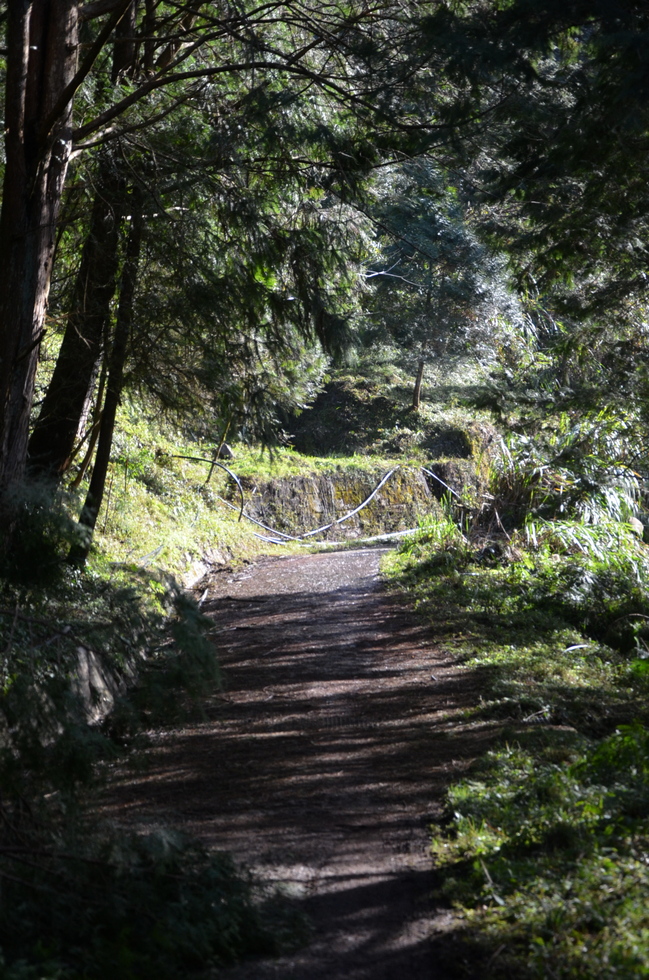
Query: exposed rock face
x=636, y=526
x=299, y=504
x=200, y=567
x=461, y=475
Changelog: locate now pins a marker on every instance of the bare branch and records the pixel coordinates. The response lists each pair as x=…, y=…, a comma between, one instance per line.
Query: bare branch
x=91, y=10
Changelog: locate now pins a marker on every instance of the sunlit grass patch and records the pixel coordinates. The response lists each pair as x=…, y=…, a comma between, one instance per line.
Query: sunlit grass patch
x=543, y=849
x=507, y=622
x=546, y=862
x=286, y=462
x=591, y=921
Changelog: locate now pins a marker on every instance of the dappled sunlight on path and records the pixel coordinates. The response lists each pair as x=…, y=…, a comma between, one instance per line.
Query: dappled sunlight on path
x=322, y=761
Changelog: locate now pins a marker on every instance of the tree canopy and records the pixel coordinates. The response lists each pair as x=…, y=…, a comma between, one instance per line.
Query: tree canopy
x=285, y=153
x=81, y=75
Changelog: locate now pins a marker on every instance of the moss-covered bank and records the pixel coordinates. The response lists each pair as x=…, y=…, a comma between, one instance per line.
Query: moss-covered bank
x=295, y=505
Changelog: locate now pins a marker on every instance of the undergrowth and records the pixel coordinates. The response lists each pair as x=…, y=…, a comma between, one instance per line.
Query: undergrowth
x=89, y=661
x=370, y=412
x=163, y=507
x=543, y=848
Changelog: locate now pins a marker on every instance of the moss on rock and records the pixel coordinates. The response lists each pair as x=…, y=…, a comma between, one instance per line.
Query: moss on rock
x=299, y=504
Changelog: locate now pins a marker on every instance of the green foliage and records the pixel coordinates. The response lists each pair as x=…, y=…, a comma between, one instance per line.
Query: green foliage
x=436, y=291
x=354, y=414
x=43, y=531
x=159, y=510
x=545, y=850
x=559, y=171
x=583, y=383
x=241, y=330
x=86, y=653
x=542, y=848
x=86, y=663
x=572, y=469
x=145, y=906
x=286, y=462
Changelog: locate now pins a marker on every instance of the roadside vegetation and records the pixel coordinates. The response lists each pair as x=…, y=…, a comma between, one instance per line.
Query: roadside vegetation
x=543, y=591
x=91, y=660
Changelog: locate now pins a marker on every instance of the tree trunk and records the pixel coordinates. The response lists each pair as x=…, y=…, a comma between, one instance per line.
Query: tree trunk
x=126, y=44
x=416, y=396
x=52, y=440
x=88, y=519
x=93, y=434
x=42, y=57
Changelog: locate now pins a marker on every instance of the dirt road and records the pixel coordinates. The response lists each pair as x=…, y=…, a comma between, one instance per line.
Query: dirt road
x=322, y=761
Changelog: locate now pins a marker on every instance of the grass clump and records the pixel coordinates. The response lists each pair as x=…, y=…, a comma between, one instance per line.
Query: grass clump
x=542, y=849
x=547, y=859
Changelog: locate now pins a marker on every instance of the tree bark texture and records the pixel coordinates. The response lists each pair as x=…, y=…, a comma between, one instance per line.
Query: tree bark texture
x=416, y=396
x=74, y=377
x=42, y=41
x=117, y=360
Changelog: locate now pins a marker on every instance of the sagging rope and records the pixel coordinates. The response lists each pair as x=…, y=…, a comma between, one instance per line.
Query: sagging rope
x=341, y=520
x=280, y=537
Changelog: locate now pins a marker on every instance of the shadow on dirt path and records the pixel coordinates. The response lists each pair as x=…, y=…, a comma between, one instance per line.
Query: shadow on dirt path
x=322, y=761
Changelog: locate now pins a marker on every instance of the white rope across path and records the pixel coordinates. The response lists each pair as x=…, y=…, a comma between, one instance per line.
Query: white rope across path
x=280, y=537
x=334, y=544
x=325, y=527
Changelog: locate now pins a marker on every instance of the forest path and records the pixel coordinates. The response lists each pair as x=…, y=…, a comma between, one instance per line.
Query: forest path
x=322, y=761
